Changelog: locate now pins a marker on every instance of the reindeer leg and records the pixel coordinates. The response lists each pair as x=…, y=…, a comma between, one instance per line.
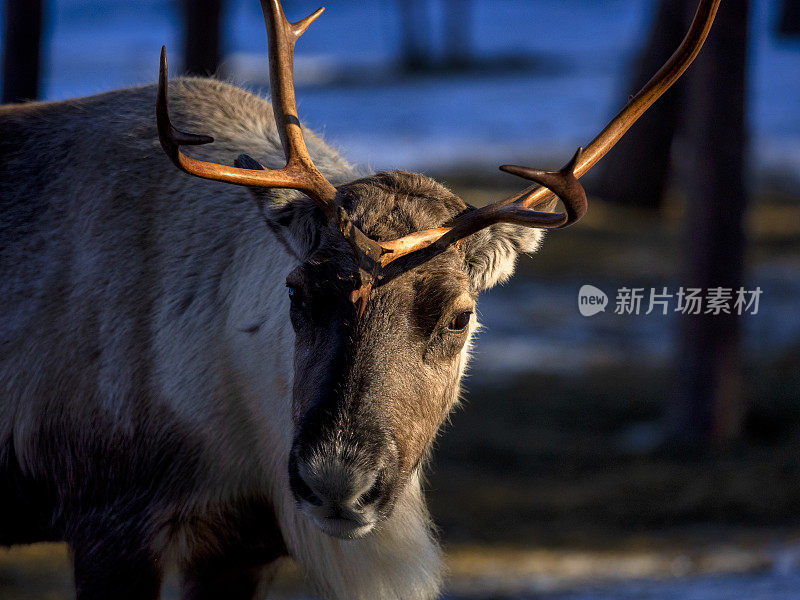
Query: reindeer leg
x=114, y=561
x=223, y=578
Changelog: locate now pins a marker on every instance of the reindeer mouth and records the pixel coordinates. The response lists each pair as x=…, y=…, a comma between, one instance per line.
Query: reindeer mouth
x=346, y=528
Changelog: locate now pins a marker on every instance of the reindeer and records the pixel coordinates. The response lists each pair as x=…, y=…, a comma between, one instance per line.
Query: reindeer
x=192, y=378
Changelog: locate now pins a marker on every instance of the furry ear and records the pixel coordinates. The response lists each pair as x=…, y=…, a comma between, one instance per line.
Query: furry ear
x=293, y=218
x=491, y=253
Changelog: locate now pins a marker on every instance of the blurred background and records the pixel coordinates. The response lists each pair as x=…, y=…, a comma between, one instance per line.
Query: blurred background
x=611, y=456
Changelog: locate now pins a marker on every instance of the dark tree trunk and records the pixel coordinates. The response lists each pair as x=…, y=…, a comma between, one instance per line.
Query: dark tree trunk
x=790, y=18
x=415, y=54
x=707, y=403
x=457, y=33
x=201, y=44
x=22, y=55
x=636, y=171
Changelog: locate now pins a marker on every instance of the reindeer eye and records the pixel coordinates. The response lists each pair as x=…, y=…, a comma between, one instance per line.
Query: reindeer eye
x=460, y=321
x=294, y=296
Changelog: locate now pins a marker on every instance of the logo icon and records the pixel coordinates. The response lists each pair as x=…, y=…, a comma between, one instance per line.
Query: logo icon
x=591, y=300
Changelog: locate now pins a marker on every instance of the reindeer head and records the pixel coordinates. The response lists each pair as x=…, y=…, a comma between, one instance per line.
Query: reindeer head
x=383, y=298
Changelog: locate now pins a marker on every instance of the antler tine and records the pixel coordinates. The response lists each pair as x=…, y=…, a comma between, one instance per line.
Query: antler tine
x=667, y=75
x=282, y=36
x=516, y=209
x=300, y=173
x=564, y=183
x=171, y=138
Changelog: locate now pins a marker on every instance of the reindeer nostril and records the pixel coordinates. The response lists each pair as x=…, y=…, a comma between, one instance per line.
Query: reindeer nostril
x=314, y=499
x=301, y=488
x=371, y=495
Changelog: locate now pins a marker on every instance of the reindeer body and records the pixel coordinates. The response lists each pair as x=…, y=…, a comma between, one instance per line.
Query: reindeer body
x=146, y=358
x=190, y=377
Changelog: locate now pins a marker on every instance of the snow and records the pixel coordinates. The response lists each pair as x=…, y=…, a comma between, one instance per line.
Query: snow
x=584, y=50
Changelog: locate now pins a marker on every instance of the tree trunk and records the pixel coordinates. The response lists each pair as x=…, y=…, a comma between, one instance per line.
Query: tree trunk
x=22, y=56
x=636, y=171
x=707, y=403
x=457, y=33
x=415, y=53
x=790, y=18
x=201, y=44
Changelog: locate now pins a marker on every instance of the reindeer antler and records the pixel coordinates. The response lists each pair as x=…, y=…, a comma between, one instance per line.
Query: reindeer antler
x=300, y=173
x=372, y=257
x=520, y=208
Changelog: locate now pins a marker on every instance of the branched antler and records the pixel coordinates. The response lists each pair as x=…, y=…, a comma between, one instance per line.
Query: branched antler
x=300, y=173
x=572, y=196
x=373, y=257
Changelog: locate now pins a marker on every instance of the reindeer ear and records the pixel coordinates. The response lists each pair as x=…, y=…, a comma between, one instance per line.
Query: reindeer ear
x=291, y=216
x=491, y=253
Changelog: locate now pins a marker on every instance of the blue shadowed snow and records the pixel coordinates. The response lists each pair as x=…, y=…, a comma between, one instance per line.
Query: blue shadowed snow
x=720, y=587
x=428, y=123
x=766, y=586
x=547, y=330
